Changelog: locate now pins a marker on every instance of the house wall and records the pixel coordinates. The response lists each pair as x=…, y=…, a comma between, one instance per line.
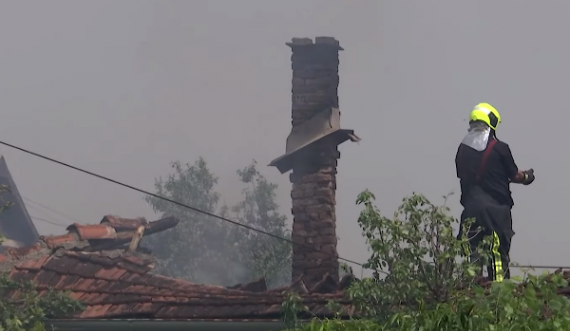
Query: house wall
x=314, y=89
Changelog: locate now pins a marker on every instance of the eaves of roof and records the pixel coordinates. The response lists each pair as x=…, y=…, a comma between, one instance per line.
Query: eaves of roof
x=159, y=325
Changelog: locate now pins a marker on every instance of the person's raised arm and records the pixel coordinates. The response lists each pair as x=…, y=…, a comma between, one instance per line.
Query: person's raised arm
x=515, y=175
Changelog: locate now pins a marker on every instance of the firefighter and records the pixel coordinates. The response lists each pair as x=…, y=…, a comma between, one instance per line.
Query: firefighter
x=486, y=168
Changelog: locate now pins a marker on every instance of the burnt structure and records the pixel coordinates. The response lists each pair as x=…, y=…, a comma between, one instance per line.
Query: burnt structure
x=311, y=154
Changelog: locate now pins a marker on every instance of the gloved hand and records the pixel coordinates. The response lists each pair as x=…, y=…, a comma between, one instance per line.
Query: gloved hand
x=528, y=177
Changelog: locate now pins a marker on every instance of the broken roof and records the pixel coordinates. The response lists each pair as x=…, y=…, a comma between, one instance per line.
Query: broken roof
x=114, y=281
x=91, y=262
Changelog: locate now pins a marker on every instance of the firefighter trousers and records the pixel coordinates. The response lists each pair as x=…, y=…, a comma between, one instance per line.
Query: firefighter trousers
x=495, y=222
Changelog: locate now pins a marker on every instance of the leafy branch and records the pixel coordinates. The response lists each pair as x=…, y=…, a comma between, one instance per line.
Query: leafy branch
x=430, y=284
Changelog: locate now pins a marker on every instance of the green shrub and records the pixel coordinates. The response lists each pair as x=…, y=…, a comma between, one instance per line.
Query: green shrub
x=422, y=281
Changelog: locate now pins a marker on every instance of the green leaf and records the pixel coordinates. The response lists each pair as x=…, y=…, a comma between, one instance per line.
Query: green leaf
x=428, y=283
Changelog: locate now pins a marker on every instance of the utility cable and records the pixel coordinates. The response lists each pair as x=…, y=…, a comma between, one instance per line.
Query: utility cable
x=47, y=221
x=518, y=266
x=172, y=201
x=195, y=209
x=51, y=209
x=45, y=215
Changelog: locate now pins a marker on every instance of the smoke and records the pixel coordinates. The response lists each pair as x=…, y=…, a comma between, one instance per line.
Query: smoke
x=207, y=250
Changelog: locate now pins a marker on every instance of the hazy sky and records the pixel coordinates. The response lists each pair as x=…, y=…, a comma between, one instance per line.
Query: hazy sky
x=122, y=88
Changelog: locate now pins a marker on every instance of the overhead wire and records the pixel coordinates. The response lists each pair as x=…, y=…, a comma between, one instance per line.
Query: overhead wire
x=36, y=209
x=51, y=209
x=175, y=202
x=518, y=266
x=198, y=210
x=47, y=221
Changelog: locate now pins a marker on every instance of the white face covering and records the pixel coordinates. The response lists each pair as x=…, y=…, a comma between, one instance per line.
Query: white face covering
x=477, y=136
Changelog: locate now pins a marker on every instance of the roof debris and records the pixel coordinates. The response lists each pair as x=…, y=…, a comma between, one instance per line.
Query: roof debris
x=94, y=263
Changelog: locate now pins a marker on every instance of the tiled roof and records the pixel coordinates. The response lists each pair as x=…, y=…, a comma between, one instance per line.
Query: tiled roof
x=91, y=262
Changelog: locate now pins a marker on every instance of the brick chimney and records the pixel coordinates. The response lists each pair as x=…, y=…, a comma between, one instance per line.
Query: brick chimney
x=312, y=153
x=315, y=86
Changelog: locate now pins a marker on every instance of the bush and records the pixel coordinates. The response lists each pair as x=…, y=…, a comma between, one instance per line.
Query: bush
x=423, y=282
x=28, y=310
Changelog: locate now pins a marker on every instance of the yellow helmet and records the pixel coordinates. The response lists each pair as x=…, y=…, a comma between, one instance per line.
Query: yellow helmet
x=486, y=113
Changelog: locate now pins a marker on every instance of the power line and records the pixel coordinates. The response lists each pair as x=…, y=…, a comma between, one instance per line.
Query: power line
x=172, y=201
x=537, y=267
x=197, y=210
x=47, y=221
x=51, y=209
x=43, y=213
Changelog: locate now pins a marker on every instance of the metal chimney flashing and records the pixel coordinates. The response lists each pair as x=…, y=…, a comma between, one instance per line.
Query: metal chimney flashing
x=324, y=126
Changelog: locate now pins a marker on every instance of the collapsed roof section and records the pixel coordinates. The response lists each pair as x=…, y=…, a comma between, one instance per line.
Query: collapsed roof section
x=102, y=267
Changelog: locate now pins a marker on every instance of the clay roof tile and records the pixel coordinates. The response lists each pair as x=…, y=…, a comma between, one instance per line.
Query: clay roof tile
x=93, y=231
x=92, y=263
x=54, y=241
x=120, y=223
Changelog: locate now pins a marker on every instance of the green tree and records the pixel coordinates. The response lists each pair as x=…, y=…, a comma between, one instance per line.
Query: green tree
x=266, y=256
x=200, y=248
x=422, y=281
x=204, y=249
x=415, y=254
